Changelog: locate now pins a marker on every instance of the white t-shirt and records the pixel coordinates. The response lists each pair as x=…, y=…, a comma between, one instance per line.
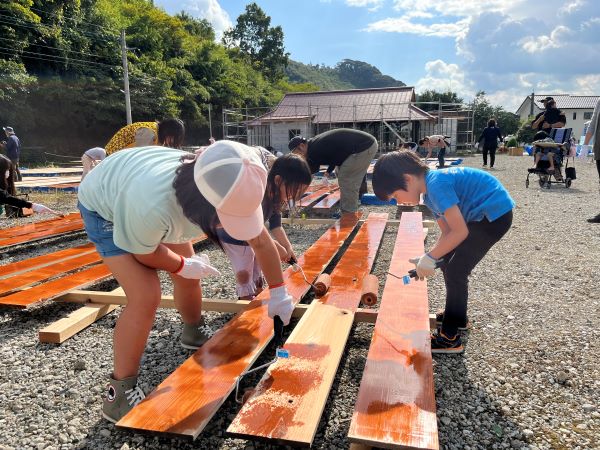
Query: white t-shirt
x=133, y=189
x=96, y=153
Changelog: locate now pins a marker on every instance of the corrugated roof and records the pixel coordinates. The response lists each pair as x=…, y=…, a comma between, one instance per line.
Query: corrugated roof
x=356, y=105
x=566, y=101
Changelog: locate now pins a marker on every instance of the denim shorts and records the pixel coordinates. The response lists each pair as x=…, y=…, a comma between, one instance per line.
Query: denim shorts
x=100, y=232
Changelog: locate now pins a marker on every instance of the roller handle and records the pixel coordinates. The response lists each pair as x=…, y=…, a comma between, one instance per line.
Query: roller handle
x=278, y=331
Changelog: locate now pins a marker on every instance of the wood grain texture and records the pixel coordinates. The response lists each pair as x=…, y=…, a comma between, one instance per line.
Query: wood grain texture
x=21, y=230
x=328, y=202
x=395, y=407
x=55, y=288
x=315, y=196
x=22, y=280
x=38, y=262
x=42, y=230
x=288, y=402
x=183, y=403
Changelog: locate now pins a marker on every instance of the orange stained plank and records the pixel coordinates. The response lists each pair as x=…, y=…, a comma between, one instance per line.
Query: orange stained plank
x=185, y=401
x=55, y=288
x=316, y=195
x=288, y=402
x=45, y=260
x=44, y=234
x=38, y=226
x=329, y=201
x=16, y=282
x=395, y=407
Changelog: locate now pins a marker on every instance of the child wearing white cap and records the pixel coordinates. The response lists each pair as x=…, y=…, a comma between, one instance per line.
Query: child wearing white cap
x=141, y=208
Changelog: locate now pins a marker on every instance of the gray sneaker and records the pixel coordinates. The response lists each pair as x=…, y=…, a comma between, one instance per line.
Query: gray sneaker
x=193, y=336
x=121, y=396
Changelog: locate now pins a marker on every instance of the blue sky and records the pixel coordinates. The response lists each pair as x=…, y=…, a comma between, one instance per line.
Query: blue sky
x=507, y=48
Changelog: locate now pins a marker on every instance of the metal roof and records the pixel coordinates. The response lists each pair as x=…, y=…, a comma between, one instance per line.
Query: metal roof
x=356, y=105
x=566, y=101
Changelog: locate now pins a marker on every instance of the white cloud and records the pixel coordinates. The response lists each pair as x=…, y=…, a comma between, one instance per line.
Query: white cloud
x=556, y=39
x=404, y=25
x=587, y=85
x=373, y=5
x=442, y=77
x=210, y=10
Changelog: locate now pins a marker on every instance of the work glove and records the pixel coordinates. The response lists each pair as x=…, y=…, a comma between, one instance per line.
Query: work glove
x=196, y=268
x=425, y=265
x=281, y=304
x=38, y=208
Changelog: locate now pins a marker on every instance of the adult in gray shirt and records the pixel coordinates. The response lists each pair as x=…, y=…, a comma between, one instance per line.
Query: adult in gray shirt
x=13, y=150
x=594, y=132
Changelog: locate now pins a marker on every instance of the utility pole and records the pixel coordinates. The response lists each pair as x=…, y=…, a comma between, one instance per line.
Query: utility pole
x=125, y=77
x=210, y=121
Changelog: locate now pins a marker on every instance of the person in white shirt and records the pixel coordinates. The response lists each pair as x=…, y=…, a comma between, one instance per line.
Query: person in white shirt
x=142, y=207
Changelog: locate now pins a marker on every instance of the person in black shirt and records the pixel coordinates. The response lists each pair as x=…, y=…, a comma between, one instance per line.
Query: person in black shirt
x=351, y=151
x=551, y=117
x=490, y=136
x=13, y=150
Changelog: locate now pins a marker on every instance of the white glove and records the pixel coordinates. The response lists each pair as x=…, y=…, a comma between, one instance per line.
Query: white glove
x=281, y=304
x=425, y=265
x=41, y=209
x=196, y=268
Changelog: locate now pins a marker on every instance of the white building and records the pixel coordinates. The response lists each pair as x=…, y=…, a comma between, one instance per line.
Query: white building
x=577, y=108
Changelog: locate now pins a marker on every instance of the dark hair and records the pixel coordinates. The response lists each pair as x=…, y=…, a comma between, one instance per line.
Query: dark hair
x=422, y=141
x=389, y=171
x=7, y=185
x=491, y=123
x=540, y=135
x=195, y=207
x=294, y=173
x=171, y=132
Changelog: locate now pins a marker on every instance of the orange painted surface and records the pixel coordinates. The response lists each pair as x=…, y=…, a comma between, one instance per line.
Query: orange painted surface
x=287, y=403
x=13, y=283
x=329, y=201
x=38, y=226
x=183, y=403
x=44, y=260
x=395, y=407
x=34, y=232
x=53, y=289
x=316, y=195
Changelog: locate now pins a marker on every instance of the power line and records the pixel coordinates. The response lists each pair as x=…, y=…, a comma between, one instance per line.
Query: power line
x=53, y=48
x=62, y=57
x=38, y=58
x=70, y=17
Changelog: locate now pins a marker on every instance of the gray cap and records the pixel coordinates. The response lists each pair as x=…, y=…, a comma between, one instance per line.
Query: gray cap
x=295, y=142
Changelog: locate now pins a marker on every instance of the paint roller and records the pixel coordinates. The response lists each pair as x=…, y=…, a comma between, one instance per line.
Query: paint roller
x=370, y=287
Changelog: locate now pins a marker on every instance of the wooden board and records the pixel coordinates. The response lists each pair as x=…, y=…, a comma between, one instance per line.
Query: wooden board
x=39, y=226
x=45, y=260
x=328, y=202
x=287, y=404
x=57, y=229
x=52, y=289
x=183, y=403
x=395, y=407
x=315, y=196
x=61, y=330
x=20, y=281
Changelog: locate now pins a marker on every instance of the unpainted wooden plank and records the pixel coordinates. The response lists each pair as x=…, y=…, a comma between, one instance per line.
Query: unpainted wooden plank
x=52, y=289
x=395, y=407
x=288, y=402
x=185, y=401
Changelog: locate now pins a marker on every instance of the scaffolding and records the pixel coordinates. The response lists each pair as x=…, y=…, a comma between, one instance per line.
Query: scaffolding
x=390, y=123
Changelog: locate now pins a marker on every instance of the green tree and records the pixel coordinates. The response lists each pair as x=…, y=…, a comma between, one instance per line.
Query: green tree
x=525, y=132
x=484, y=111
x=434, y=96
x=363, y=75
x=257, y=40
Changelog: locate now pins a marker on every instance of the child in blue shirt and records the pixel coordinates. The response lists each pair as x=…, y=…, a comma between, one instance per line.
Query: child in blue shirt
x=473, y=210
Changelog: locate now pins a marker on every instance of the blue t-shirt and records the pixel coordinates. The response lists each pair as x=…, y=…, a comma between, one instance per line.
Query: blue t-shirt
x=477, y=194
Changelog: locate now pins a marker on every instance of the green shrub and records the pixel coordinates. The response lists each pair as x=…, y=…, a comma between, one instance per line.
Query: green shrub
x=512, y=142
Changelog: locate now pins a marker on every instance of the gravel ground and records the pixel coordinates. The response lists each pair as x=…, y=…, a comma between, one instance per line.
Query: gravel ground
x=529, y=377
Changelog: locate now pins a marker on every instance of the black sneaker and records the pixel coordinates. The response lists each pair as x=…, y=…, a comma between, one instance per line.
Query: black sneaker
x=439, y=318
x=440, y=343
x=594, y=219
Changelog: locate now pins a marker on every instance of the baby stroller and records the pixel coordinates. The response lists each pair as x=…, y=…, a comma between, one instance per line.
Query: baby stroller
x=557, y=147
